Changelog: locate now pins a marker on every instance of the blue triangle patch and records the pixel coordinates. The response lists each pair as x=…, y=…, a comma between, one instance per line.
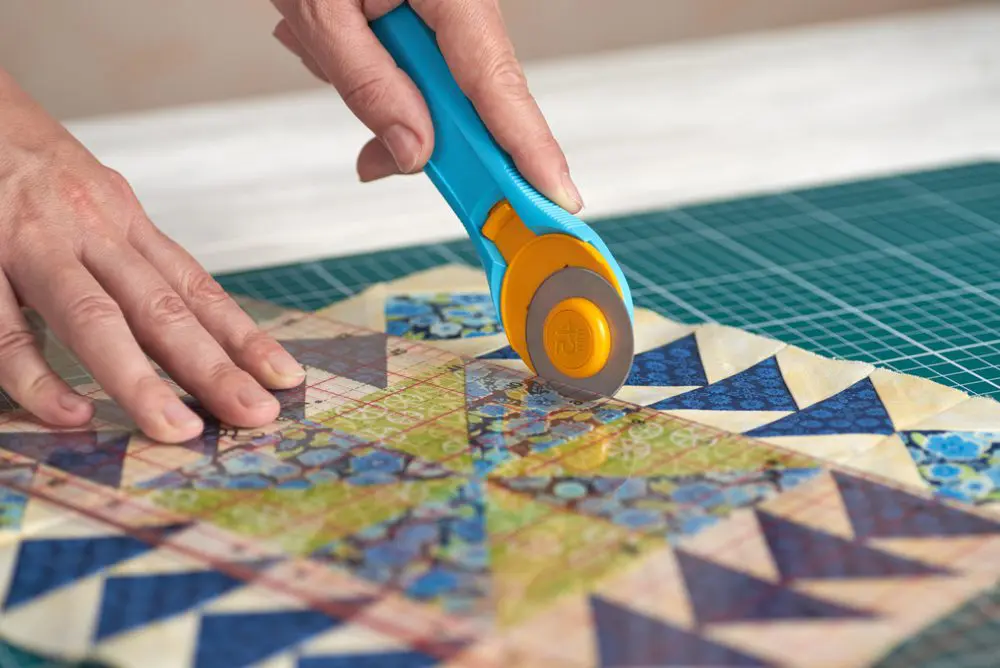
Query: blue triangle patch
x=856, y=410
x=505, y=353
x=362, y=358
x=675, y=364
x=292, y=402
x=801, y=552
x=239, y=639
x=627, y=638
x=47, y=564
x=759, y=388
x=368, y=660
x=132, y=601
x=719, y=594
x=96, y=456
x=879, y=511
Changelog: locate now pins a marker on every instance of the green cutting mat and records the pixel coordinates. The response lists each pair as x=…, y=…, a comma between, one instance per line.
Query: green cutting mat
x=901, y=271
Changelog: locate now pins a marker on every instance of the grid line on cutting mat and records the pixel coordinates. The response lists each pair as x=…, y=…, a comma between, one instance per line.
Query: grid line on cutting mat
x=901, y=271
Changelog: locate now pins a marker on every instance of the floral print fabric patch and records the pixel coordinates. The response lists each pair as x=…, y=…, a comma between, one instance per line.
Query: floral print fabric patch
x=960, y=465
x=441, y=316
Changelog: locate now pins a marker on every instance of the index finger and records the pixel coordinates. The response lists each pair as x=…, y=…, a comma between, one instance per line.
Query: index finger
x=84, y=316
x=474, y=42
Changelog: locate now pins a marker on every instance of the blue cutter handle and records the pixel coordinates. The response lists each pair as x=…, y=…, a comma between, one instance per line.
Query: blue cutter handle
x=467, y=166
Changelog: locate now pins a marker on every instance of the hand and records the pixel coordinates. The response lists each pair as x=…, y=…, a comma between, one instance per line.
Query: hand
x=76, y=246
x=333, y=40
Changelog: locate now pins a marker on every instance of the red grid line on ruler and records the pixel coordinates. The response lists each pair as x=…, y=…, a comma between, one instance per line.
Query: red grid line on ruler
x=374, y=443
x=249, y=552
x=482, y=400
x=119, y=501
x=214, y=510
x=807, y=503
x=288, y=527
x=803, y=504
x=810, y=503
x=352, y=404
x=584, y=436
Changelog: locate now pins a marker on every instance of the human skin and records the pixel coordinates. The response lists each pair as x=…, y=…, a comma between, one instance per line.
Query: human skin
x=77, y=247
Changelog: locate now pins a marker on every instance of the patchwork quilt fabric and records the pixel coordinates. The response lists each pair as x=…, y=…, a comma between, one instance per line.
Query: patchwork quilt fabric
x=422, y=500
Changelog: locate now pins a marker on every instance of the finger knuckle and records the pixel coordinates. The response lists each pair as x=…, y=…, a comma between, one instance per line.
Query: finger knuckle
x=14, y=342
x=202, y=290
x=369, y=90
x=539, y=142
x=165, y=308
x=217, y=371
x=37, y=386
x=92, y=310
x=119, y=185
x=374, y=9
x=147, y=388
x=256, y=342
x=312, y=13
x=503, y=73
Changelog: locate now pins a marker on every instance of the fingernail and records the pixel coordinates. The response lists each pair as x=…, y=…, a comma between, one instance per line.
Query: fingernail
x=284, y=365
x=571, y=193
x=73, y=402
x=252, y=396
x=403, y=145
x=180, y=416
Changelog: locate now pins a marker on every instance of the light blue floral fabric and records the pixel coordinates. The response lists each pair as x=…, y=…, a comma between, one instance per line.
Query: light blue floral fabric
x=959, y=465
x=442, y=316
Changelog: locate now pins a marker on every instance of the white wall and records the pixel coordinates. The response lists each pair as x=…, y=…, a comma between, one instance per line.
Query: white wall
x=82, y=58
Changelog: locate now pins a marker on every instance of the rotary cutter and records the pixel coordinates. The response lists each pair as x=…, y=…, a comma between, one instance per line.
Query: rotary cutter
x=562, y=299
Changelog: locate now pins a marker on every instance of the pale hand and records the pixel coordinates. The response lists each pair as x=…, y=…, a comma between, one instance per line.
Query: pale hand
x=76, y=246
x=334, y=41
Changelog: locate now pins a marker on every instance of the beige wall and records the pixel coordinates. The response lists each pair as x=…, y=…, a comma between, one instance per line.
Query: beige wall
x=101, y=56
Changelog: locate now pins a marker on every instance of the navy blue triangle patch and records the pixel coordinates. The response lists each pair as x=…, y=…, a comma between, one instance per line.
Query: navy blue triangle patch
x=879, y=511
x=719, y=594
x=240, y=639
x=362, y=358
x=292, y=402
x=856, y=410
x=801, y=552
x=759, y=388
x=97, y=456
x=46, y=564
x=134, y=600
x=627, y=638
x=675, y=364
x=369, y=660
x=505, y=353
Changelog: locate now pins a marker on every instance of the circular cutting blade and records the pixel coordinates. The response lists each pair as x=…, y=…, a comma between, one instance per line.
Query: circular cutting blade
x=576, y=282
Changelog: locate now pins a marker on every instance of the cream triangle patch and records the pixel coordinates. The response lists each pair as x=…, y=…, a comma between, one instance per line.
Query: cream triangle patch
x=725, y=351
x=973, y=414
x=811, y=378
x=735, y=422
x=162, y=644
x=910, y=400
x=888, y=459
